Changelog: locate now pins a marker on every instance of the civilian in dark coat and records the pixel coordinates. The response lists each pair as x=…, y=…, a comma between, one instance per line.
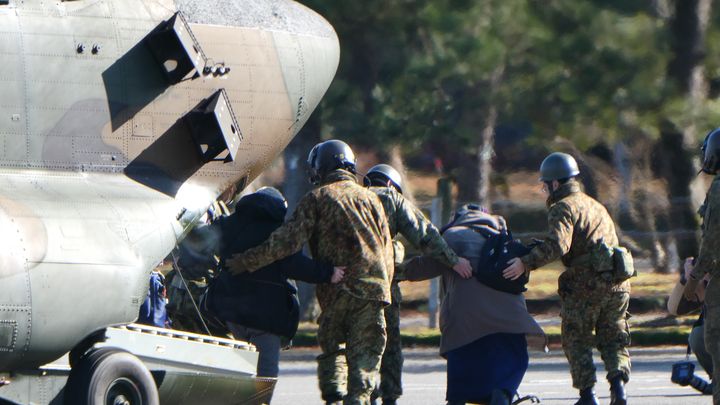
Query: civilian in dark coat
x=261, y=307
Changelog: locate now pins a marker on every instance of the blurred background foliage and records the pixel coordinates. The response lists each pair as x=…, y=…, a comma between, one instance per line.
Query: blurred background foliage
x=482, y=90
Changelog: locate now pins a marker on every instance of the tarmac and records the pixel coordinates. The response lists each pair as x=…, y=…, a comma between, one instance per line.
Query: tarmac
x=547, y=377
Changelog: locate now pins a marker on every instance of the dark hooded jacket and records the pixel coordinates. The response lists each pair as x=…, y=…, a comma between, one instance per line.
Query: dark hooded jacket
x=265, y=299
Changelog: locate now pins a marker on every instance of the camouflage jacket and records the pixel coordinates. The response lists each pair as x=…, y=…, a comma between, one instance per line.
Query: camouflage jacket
x=708, y=260
x=344, y=224
x=407, y=220
x=576, y=224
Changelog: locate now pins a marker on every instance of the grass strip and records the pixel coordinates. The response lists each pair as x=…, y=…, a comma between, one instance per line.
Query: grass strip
x=656, y=336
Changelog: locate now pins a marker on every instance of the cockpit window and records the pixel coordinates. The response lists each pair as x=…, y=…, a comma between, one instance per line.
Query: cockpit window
x=4, y=2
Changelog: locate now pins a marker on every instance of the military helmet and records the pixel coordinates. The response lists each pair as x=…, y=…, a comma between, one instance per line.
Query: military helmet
x=711, y=152
x=558, y=166
x=328, y=156
x=381, y=174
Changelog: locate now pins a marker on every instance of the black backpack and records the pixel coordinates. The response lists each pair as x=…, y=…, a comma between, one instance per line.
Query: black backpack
x=498, y=250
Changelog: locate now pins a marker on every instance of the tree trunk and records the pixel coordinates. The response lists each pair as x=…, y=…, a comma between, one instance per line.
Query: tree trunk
x=294, y=187
x=396, y=161
x=474, y=185
x=679, y=171
x=485, y=154
x=467, y=177
x=645, y=212
x=625, y=217
x=681, y=163
x=624, y=167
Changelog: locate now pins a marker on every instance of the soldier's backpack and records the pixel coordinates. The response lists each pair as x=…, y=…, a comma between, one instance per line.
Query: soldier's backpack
x=152, y=310
x=496, y=253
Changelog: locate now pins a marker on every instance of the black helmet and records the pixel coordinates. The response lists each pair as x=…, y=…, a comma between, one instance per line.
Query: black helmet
x=711, y=152
x=558, y=166
x=380, y=175
x=328, y=156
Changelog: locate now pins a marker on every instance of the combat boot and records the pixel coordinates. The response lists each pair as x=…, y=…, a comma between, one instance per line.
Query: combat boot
x=617, y=391
x=499, y=397
x=587, y=397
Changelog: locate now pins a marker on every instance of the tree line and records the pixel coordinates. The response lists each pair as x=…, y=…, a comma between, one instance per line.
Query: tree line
x=487, y=86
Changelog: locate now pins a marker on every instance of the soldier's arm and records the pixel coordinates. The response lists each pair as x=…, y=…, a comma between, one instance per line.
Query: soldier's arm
x=303, y=268
x=710, y=243
x=419, y=231
x=557, y=242
x=422, y=268
x=286, y=240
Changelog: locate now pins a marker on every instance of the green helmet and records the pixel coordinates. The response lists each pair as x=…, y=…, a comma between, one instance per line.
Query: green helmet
x=558, y=166
x=711, y=152
x=381, y=174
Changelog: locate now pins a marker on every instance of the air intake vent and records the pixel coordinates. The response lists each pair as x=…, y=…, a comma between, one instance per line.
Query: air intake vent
x=176, y=49
x=214, y=128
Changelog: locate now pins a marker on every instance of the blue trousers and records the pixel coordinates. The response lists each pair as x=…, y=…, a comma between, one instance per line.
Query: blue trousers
x=494, y=361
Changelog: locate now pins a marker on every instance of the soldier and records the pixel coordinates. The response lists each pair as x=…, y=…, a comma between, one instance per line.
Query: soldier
x=193, y=270
x=590, y=303
x=344, y=224
x=407, y=220
x=707, y=261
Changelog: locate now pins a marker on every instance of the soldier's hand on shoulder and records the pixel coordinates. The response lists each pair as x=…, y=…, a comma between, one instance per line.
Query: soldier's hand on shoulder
x=463, y=268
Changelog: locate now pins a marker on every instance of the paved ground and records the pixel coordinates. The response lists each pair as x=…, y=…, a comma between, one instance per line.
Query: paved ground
x=548, y=378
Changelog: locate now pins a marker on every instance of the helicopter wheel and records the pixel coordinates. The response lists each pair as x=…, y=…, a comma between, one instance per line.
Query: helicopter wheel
x=109, y=376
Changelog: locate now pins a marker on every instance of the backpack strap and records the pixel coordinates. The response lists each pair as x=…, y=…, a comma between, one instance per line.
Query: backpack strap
x=484, y=231
x=492, y=247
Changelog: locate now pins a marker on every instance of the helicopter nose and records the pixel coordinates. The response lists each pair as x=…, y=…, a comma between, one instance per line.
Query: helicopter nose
x=309, y=59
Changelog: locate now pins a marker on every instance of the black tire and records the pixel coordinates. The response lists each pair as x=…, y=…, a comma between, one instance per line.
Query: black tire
x=109, y=376
x=79, y=351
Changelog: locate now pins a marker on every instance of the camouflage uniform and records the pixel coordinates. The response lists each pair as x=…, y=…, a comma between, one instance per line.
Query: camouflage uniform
x=708, y=262
x=407, y=220
x=180, y=306
x=589, y=303
x=344, y=224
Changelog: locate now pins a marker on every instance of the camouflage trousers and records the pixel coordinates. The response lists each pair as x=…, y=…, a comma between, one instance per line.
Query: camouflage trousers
x=712, y=332
x=180, y=308
x=392, y=359
x=360, y=324
x=606, y=315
